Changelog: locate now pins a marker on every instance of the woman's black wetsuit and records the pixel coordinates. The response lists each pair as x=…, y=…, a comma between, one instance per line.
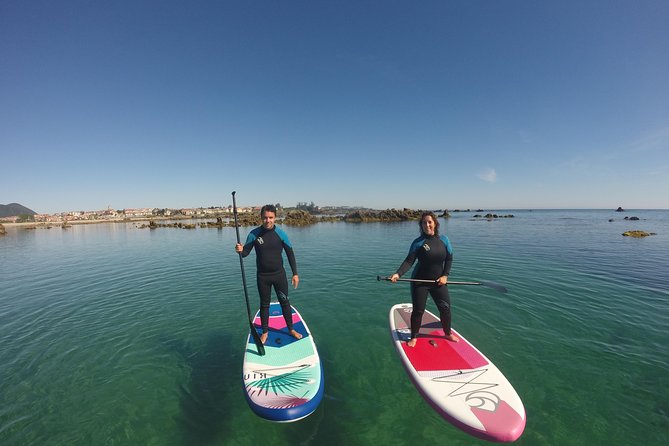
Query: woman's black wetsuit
x=435, y=257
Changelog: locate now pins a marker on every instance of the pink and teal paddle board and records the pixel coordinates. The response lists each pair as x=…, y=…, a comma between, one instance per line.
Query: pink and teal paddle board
x=457, y=380
x=285, y=384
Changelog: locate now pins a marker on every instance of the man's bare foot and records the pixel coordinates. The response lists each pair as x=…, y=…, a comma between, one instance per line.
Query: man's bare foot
x=412, y=342
x=451, y=337
x=263, y=337
x=295, y=334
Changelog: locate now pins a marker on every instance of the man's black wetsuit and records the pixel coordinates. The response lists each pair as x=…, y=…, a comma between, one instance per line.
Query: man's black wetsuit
x=269, y=243
x=435, y=257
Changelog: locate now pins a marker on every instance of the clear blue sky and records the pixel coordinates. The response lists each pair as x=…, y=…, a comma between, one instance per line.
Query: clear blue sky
x=420, y=104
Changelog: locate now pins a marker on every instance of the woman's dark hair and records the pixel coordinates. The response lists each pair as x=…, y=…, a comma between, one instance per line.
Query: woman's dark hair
x=434, y=219
x=268, y=208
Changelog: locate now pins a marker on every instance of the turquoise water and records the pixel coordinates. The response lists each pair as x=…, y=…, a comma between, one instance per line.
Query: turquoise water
x=115, y=335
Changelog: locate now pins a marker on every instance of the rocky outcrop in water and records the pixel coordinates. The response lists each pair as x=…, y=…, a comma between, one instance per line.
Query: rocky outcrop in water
x=219, y=223
x=388, y=215
x=299, y=218
x=493, y=216
x=247, y=220
x=638, y=234
x=153, y=225
x=242, y=219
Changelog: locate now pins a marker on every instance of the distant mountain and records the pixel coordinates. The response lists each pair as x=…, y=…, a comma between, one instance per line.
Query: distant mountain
x=14, y=210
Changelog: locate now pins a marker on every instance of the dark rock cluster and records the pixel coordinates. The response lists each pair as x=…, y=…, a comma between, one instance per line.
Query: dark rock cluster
x=387, y=215
x=153, y=225
x=299, y=218
x=490, y=216
x=638, y=234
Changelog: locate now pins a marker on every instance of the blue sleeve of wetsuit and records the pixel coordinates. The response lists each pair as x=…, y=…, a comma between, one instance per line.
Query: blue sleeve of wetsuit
x=288, y=247
x=411, y=257
x=248, y=245
x=449, y=255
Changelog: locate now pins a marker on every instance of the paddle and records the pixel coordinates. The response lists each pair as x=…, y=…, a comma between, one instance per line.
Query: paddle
x=493, y=285
x=254, y=332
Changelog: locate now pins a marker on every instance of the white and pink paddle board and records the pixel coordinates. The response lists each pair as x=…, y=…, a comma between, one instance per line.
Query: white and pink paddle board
x=457, y=380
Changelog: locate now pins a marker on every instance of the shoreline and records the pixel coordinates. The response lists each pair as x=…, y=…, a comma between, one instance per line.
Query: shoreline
x=360, y=217
x=92, y=222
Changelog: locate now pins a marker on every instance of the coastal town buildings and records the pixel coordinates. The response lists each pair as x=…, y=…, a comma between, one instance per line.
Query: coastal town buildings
x=132, y=214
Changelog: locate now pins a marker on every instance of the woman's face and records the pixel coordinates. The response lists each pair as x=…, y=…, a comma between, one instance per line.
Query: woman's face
x=428, y=225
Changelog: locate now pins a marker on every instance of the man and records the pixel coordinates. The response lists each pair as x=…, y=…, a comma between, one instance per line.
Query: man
x=269, y=242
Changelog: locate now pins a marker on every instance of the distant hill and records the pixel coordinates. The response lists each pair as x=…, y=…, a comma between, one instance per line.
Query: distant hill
x=14, y=210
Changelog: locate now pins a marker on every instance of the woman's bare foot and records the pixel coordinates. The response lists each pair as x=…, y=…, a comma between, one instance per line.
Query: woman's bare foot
x=451, y=337
x=412, y=342
x=295, y=334
x=263, y=337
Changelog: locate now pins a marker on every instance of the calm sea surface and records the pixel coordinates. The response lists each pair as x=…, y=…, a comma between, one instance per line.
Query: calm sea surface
x=115, y=335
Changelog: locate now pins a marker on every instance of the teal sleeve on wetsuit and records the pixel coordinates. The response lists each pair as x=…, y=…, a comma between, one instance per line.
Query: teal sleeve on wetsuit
x=288, y=247
x=250, y=239
x=411, y=257
x=449, y=254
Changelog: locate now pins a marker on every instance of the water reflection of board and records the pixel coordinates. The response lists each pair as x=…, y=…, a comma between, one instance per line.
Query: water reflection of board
x=457, y=380
x=286, y=384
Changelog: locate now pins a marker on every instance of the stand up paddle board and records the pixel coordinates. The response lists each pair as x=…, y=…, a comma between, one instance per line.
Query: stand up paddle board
x=457, y=380
x=286, y=384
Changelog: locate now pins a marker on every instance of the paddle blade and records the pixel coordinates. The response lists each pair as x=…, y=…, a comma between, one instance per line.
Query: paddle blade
x=256, y=338
x=495, y=286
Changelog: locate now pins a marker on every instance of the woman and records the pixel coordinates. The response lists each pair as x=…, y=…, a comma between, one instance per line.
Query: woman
x=435, y=257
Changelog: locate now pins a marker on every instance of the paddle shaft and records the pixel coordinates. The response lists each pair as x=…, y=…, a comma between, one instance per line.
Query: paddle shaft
x=493, y=285
x=254, y=332
x=433, y=281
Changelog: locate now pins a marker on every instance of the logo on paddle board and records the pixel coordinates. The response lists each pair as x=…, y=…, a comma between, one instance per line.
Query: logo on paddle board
x=477, y=393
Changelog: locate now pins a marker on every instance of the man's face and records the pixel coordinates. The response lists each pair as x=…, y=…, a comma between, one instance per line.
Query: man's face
x=268, y=218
